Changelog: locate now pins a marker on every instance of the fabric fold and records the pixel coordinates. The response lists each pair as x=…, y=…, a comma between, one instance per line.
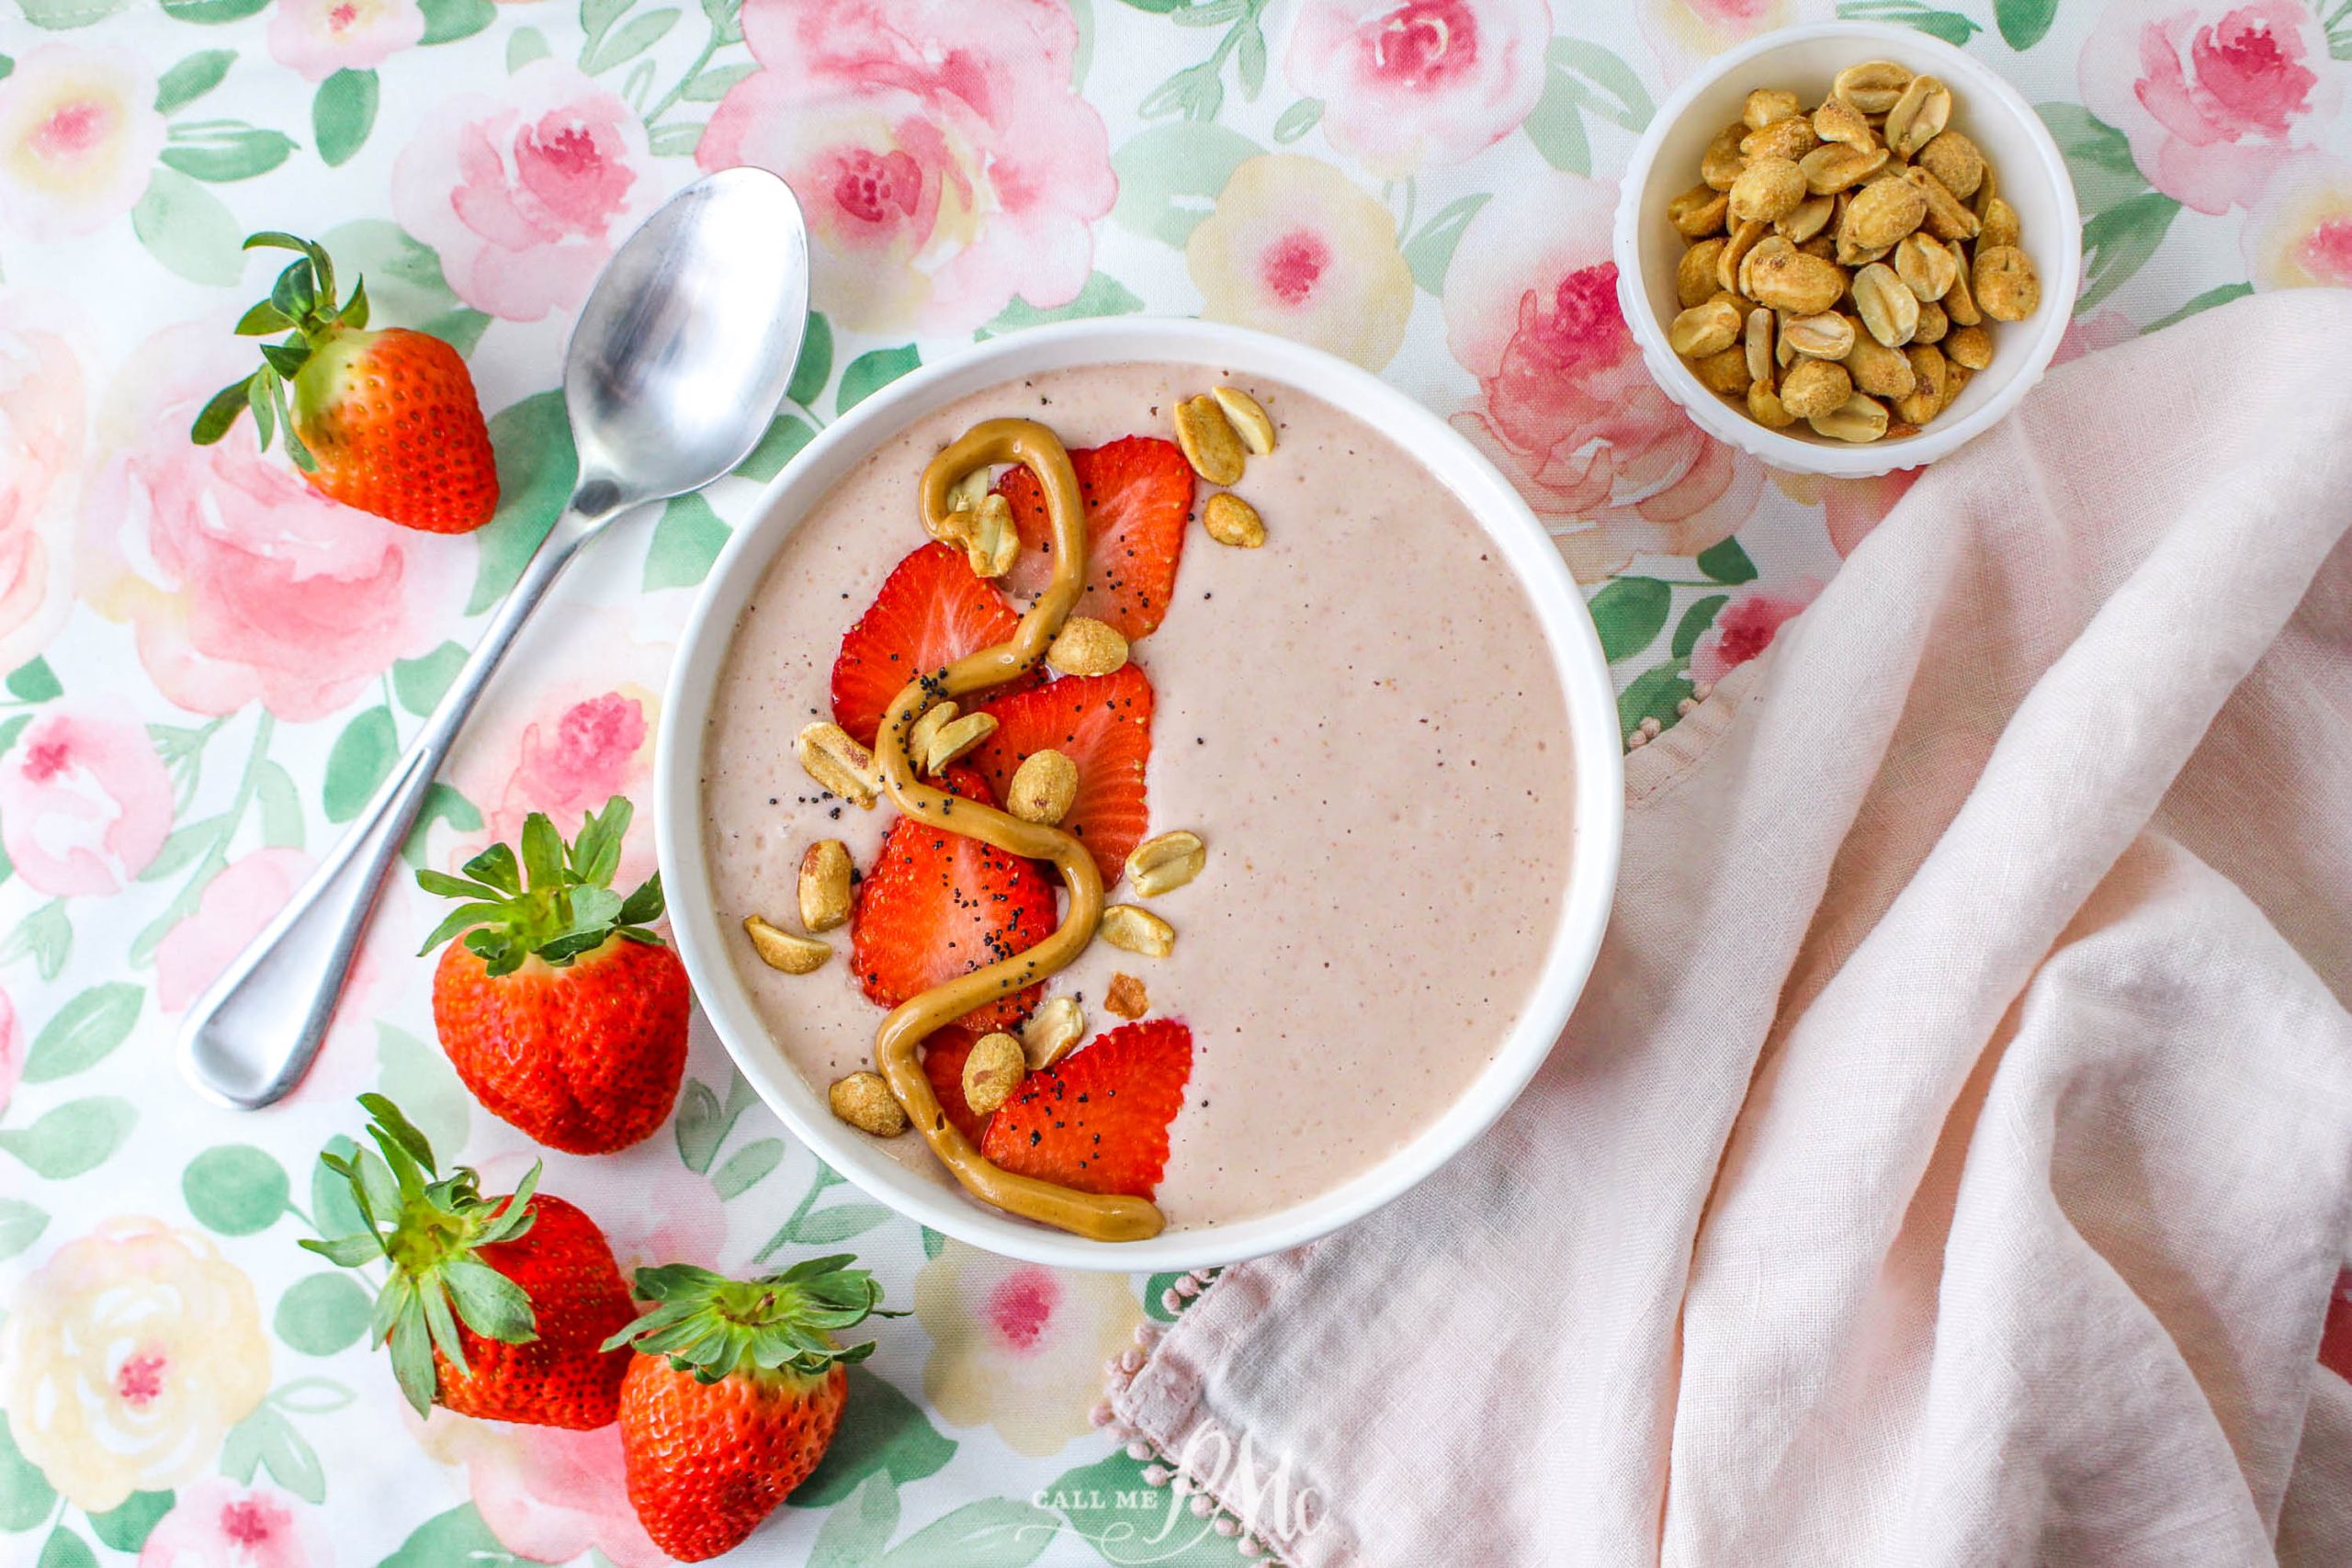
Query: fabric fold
x=1951, y=1156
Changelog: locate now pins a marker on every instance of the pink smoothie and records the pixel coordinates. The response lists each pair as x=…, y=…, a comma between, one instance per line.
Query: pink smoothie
x=1361, y=721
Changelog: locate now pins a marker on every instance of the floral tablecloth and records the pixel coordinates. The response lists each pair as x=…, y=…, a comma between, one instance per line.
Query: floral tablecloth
x=207, y=669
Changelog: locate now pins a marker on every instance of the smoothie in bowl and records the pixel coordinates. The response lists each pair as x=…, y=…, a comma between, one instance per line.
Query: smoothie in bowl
x=1141, y=807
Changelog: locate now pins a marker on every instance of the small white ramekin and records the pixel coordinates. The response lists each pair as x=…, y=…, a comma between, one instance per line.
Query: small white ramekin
x=1595, y=751
x=2033, y=178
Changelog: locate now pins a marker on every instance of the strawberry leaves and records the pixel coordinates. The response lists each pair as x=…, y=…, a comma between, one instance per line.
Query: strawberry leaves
x=711, y=1326
x=429, y=1243
x=557, y=902
x=302, y=303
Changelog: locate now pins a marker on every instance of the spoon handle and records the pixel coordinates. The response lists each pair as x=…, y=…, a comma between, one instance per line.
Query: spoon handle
x=250, y=1037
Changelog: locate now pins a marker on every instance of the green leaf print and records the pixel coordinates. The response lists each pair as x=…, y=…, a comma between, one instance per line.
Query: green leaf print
x=1603, y=82
x=184, y=226
x=1429, y=254
x=447, y=21
x=1103, y=295
x=1169, y=176
x=602, y=53
x=57, y=16
x=34, y=681
x=1297, y=120
x=20, y=1226
x=404, y=281
x=191, y=78
x=456, y=1537
x=1695, y=622
x=2098, y=157
x=1556, y=125
x=419, y=1079
x=1949, y=25
x=84, y=1032
x=871, y=371
x=267, y=1441
x=280, y=806
x=127, y=1526
x=703, y=1123
x=63, y=1549
x=2023, y=23
x=362, y=757
x=323, y=1314
x=25, y=1498
x=2117, y=243
x=212, y=13
x=235, y=1189
x=187, y=842
x=524, y=45
x=1653, y=695
x=1629, y=614
x=221, y=151
x=1128, y=1520
x=854, y=1535
x=419, y=682
x=75, y=1138
x=815, y=366
x=783, y=443
x=2220, y=295
x=882, y=1432
x=988, y=1532
x=46, y=936
x=747, y=1168
x=342, y=114
x=684, y=543
x=537, y=468
x=1725, y=562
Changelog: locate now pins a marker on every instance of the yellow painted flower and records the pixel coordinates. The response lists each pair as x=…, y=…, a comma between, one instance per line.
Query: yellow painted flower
x=1017, y=1346
x=2299, y=234
x=127, y=1358
x=78, y=138
x=1296, y=247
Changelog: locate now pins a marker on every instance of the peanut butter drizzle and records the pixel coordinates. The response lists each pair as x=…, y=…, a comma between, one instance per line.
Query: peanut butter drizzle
x=1095, y=1215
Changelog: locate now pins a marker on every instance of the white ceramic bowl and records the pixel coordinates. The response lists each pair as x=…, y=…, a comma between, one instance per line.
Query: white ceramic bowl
x=1595, y=752
x=2033, y=179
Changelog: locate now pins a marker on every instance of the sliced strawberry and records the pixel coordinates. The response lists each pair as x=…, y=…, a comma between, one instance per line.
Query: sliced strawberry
x=938, y=904
x=931, y=611
x=1099, y=1121
x=943, y=1061
x=1139, y=495
x=1103, y=723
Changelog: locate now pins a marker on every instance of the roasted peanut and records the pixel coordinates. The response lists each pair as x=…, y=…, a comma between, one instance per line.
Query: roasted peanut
x=1767, y=190
x=1791, y=139
x=1877, y=369
x=1758, y=340
x=1766, y=104
x=1805, y=220
x=1927, y=399
x=1087, y=647
x=1208, y=439
x=1889, y=311
x=1953, y=159
x=839, y=764
x=1918, y=116
x=1050, y=1033
x=1694, y=274
x=1248, y=418
x=1858, y=419
x=1728, y=260
x=1998, y=224
x=1230, y=520
x=1815, y=387
x=865, y=1103
x=2007, y=288
x=1797, y=282
x=1826, y=336
x=1926, y=267
x=1875, y=87
x=1764, y=406
x=1969, y=347
x=992, y=1071
x=1933, y=323
x=1724, y=371
x=1836, y=166
x=1131, y=929
x=825, y=885
x=1043, y=787
x=1704, y=329
x=1164, y=863
x=1947, y=217
x=780, y=949
x=1698, y=211
x=1880, y=215
x=1723, y=161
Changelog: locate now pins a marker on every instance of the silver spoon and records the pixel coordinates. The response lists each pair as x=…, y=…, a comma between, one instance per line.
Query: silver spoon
x=675, y=369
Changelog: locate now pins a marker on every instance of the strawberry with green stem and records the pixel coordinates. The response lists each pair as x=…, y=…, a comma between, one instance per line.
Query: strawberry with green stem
x=494, y=1307
x=735, y=1395
x=562, y=1009
x=386, y=421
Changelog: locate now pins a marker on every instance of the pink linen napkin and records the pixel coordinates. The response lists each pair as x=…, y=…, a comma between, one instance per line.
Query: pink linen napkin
x=1950, y=1158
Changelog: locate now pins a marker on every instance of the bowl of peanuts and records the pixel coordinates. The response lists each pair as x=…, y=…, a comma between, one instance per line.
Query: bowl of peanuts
x=1847, y=248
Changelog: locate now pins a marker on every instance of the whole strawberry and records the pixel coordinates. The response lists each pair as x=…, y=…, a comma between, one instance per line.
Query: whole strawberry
x=384, y=421
x=736, y=1393
x=495, y=1307
x=561, y=1010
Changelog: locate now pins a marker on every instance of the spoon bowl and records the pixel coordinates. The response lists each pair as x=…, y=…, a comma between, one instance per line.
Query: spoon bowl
x=675, y=369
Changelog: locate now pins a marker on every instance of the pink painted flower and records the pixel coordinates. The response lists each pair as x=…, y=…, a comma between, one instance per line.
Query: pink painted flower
x=242, y=583
x=2214, y=95
x=1851, y=509
x=85, y=802
x=578, y=729
x=42, y=403
x=1611, y=464
x=1682, y=33
x=942, y=157
x=2299, y=234
x=1743, y=629
x=318, y=37
x=1296, y=247
x=12, y=1051
x=526, y=194
x=1019, y=1347
x=1409, y=83
x=218, y=1524
x=234, y=906
x=78, y=138
x=547, y=1493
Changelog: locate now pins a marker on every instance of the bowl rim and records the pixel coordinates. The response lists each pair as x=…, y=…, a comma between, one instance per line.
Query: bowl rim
x=2061, y=265
x=1596, y=752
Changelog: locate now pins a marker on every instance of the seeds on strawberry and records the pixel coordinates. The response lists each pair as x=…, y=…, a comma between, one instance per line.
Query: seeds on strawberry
x=1139, y=495
x=734, y=1395
x=495, y=1307
x=931, y=612
x=1099, y=1121
x=384, y=421
x=1101, y=724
